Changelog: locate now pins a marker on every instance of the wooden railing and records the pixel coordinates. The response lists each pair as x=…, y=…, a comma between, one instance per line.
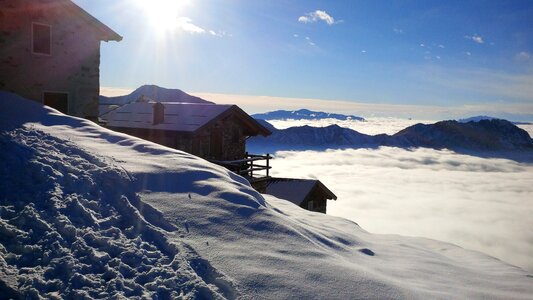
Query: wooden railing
x=248, y=166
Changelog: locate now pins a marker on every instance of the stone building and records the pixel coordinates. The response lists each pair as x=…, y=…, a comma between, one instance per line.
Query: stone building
x=50, y=53
x=211, y=131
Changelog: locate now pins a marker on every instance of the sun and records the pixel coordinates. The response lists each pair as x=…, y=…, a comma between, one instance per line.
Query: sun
x=163, y=15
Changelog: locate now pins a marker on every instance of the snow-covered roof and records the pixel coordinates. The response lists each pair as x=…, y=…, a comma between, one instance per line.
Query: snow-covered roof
x=186, y=117
x=295, y=190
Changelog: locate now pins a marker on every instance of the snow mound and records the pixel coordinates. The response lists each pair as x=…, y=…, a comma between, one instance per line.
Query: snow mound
x=71, y=227
x=89, y=213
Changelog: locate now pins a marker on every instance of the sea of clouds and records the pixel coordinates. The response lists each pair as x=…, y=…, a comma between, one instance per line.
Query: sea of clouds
x=482, y=204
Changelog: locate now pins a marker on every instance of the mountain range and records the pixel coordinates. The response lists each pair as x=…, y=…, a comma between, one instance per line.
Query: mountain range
x=484, y=135
x=304, y=114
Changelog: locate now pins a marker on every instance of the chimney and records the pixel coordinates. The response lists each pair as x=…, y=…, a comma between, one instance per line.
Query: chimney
x=158, y=113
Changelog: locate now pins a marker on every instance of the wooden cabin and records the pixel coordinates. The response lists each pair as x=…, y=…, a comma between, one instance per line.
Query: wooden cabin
x=211, y=131
x=50, y=53
x=309, y=194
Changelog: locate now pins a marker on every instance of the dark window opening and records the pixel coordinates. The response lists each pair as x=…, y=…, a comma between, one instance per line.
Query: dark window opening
x=58, y=101
x=42, y=39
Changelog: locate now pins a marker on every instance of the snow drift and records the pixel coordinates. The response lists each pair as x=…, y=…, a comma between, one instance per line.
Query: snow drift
x=87, y=212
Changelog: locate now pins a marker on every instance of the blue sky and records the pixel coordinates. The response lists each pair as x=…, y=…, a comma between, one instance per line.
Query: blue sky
x=447, y=54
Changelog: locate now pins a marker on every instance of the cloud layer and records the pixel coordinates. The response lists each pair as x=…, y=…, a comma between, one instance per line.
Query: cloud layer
x=480, y=204
x=371, y=126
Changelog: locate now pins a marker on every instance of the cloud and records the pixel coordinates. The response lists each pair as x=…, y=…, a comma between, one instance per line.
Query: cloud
x=318, y=15
x=185, y=24
x=309, y=41
x=398, y=30
x=477, y=203
x=114, y=91
x=219, y=33
x=523, y=56
x=476, y=38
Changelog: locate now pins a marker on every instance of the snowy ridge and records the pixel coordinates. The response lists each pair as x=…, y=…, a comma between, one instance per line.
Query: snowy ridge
x=89, y=212
x=480, y=118
x=304, y=114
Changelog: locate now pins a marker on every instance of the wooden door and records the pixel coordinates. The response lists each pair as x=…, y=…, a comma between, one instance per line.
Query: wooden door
x=215, y=144
x=58, y=101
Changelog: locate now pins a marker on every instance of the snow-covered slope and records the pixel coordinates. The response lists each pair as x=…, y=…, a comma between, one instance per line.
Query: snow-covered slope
x=304, y=114
x=87, y=212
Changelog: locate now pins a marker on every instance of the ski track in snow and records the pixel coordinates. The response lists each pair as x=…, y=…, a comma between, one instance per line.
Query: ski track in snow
x=73, y=230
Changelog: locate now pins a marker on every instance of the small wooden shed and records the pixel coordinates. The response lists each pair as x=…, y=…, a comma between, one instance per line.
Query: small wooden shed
x=211, y=131
x=50, y=53
x=310, y=194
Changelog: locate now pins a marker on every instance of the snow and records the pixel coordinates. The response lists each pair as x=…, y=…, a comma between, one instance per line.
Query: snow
x=177, y=116
x=294, y=190
x=87, y=212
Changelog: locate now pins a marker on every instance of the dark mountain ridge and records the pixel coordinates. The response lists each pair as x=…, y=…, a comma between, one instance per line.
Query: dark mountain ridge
x=483, y=136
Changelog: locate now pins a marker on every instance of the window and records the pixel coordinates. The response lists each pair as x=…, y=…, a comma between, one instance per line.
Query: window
x=41, y=38
x=310, y=205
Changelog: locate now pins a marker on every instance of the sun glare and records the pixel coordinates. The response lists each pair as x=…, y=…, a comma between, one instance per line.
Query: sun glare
x=163, y=15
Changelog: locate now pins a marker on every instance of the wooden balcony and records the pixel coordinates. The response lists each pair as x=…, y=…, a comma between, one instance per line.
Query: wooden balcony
x=253, y=167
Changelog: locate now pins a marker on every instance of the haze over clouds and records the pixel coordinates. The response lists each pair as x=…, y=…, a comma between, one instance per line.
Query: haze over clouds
x=371, y=126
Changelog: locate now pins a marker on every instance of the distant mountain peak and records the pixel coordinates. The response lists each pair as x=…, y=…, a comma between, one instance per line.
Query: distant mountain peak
x=304, y=114
x=151, y=92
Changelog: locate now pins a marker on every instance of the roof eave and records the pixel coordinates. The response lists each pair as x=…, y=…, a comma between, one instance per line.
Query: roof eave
x=327, y=191
x=253, y=122
x=108, y=34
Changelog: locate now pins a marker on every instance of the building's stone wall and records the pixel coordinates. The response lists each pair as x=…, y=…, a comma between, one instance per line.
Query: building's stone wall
x=234, y=143
x=72, y=67
x=232, y=140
